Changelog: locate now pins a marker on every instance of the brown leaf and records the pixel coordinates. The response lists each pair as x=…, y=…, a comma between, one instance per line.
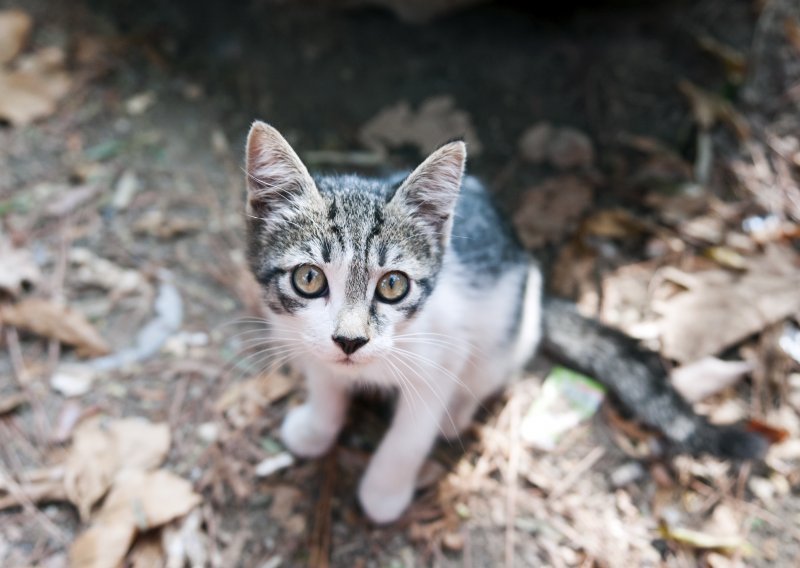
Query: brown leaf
x=138, y=502
x=55, y=321
x=148, y=499
x=720, y=308
x=15, y=28
x=147, y=552
x=102, y=448
x=551, y=209
x=436, y=121
x=34, y=89
x=102, y=546
x=774, y=435
x=707, y=376
x=243, y=401
x=185, y=542
x=708, y=108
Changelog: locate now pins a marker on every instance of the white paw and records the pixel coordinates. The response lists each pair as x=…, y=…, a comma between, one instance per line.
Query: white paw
x=381, y=502
x=303, y=436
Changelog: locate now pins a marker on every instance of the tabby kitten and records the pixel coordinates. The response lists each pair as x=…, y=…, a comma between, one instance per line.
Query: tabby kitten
x=416, y=283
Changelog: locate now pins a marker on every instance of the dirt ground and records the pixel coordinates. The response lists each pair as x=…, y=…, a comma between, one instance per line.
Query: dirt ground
x=648, y=153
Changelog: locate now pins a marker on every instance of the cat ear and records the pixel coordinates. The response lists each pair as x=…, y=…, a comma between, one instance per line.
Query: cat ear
x=431, y=190
x=275, y=175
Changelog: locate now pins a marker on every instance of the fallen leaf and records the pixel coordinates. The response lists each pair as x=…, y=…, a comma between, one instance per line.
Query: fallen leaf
x=55, y=321
x=707, y=376
x=720, y=308
x=166, y=226
x=774, y=435
x=139, y=501
x=102, y=448
x=18, y=270
x=708, y=108
x=90, y=270
x=147, y=552
x=701, y=540
x=437, y=121
x=15, y=28
x=185, y=543
x=33, y=90
x=243, y=401
x=102, y=546
x=551, y=210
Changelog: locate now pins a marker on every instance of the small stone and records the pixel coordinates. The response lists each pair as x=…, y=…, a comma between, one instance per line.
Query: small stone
x=208, y=432
x=274, y=464
x=72, y=380
x=625, y=474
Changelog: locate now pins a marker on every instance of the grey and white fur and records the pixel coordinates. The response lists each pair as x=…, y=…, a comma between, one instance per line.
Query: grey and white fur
x=416, y=283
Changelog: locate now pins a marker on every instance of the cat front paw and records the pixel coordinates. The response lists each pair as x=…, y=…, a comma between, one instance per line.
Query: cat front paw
x=303, y=436
x=382, y=502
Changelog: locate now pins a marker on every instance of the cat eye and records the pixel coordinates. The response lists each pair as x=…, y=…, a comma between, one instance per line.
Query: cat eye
x=309, y=281
x=392, y=287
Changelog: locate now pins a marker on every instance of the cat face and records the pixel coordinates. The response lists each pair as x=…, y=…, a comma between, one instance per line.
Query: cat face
x=345, y=263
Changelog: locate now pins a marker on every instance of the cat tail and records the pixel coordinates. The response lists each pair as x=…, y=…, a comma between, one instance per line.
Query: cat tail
x=637, y=378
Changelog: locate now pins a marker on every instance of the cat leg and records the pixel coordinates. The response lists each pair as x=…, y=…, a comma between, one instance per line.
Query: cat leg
x=388, y=484
x=479, y=382
x=309, y=429
x=462, y=409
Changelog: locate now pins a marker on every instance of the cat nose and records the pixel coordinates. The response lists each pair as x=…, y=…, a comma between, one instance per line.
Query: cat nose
x=350, y=344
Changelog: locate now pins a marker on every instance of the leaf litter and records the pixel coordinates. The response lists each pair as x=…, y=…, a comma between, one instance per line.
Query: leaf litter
x=465, y=501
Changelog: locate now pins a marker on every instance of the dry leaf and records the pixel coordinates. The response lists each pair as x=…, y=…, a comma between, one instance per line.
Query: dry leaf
x=707, y=376
x=166, y=226
x=243, y=401
x=185, y=542
x=18, y=271
x=436, y=121
x=147, y=552
x=34, y=89
x=102, y=448
x=55, y=321
x=15, y=28
x=138, y=502
x=701, y=540
x=708, y=107
x=551, y=210
x=102, y=546
x=720, y=308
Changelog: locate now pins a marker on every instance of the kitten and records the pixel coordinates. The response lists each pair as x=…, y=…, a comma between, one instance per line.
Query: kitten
x=417, y=283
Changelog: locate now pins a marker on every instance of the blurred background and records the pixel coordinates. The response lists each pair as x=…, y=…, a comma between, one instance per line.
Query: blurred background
x=647, y=151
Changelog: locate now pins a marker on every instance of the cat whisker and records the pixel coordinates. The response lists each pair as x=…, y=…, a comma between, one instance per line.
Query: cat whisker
x=432, y=388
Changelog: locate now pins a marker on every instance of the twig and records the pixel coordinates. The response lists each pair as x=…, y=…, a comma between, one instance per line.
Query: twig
x=22, y=497
x=320, y=544
x=583, y=466
x=511, y=483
